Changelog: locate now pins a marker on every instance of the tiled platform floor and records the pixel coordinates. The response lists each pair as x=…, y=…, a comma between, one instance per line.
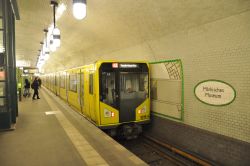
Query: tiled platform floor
x=49, y=132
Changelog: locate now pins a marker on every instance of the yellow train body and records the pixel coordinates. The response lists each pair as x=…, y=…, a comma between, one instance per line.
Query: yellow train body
x=98, y=91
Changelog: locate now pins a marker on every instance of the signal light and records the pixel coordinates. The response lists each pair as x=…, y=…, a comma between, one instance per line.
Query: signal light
x=108, y=114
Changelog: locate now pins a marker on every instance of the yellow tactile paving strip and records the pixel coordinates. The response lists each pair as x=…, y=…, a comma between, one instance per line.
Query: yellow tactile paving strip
x=86, y=151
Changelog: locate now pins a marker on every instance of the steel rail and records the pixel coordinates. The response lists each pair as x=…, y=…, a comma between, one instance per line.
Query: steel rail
x=180, y=152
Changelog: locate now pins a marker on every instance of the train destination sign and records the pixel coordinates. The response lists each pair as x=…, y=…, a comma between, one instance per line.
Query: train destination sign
x=128, y=65
x=124, y=65
x=215, y=92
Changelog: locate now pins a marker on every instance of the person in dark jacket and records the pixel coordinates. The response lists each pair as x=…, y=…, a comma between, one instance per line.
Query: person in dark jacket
x=26, y=88
x=35, y=86
x=40, y=82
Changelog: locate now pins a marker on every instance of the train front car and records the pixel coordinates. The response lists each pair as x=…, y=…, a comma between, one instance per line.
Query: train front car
x=124, y=97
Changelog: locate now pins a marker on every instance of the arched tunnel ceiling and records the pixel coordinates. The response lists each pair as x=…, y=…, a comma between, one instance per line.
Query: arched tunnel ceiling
x=111, y=25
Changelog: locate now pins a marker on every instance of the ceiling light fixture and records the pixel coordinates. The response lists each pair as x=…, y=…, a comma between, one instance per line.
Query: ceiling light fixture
x=52, y=38
x=41, y=44
x=79, y=9
x=40, y=52
x=46, y=49
x=56, y=37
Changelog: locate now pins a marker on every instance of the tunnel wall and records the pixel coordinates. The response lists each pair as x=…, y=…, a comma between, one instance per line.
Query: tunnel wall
x=217, y=50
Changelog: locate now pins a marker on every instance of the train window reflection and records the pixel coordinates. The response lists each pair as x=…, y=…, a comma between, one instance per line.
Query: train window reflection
x=134, y=82
x=133, y=89
x=62, y=81
x=82, y=89
x=108, y=88
x=72, y=82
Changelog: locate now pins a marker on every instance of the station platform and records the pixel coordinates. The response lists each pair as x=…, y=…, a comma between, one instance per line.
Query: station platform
x=49, y=132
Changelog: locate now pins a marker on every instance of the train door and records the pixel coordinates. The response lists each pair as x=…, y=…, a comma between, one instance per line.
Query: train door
x=67, y=86
x=86, y=93
x=92, y=96
x=78, y=86
x=50, y=82
x=82, y=90
x=55, y=85
x=58, y=84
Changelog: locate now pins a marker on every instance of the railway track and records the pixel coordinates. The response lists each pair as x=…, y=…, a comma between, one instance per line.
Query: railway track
x=156, y=154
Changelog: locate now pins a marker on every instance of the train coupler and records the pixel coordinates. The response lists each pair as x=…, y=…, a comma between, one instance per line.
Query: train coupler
x=131, y=131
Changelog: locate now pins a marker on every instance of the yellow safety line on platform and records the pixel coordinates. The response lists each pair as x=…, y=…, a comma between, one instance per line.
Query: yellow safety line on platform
x=86, y=151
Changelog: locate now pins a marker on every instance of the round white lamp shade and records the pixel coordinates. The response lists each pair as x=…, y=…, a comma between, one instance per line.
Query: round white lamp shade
x=79, y=9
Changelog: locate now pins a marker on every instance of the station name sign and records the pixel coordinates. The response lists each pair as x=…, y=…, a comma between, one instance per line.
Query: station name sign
x=215, y=92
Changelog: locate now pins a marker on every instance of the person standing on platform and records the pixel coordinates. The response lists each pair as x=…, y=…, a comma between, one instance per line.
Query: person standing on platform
x=26, y=88
x=40, y=82
x=35, y=86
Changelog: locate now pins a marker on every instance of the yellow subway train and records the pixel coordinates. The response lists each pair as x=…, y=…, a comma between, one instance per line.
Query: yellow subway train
x=113, y=95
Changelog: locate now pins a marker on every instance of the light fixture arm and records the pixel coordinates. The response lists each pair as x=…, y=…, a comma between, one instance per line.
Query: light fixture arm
x=45, y=32
x=55, y=42
x=54, y=13
x=54, y=4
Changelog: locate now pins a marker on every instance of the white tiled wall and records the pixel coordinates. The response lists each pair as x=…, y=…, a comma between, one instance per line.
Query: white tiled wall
x=217, y=50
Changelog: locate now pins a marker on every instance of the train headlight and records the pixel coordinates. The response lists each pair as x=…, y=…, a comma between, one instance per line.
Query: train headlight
x=108, y=114
x=142, y=111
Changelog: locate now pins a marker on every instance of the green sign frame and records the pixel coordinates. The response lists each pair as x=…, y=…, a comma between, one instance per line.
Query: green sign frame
x=182, y=91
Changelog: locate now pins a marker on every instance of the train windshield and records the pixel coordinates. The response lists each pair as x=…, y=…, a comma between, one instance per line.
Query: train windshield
x=133, y=89
x=124, y=86
x=108, y=94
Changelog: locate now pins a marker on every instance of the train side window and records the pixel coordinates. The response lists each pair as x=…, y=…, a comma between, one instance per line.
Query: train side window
x=143, y=82
x=54, y=77
x=134, y=87
x=91, y=84
x=108, y=88
x=62, y=81
x=73, y=82
x=78, y=88
x=51, y=81
x=82, y=89
x=78, y=83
